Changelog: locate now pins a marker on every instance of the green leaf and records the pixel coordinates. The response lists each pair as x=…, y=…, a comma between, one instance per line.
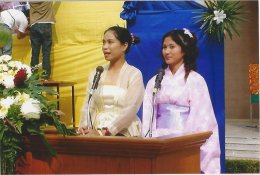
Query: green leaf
x=33, y=127
x=3, y=129
x=232, y=26
x=229, y=33
x=15, y=126
x=49, y=147
x=232, y=9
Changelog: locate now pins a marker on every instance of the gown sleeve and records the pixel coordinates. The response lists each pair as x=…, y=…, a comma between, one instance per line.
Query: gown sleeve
x=202, y=118
x=134, y=98
x=147, y=107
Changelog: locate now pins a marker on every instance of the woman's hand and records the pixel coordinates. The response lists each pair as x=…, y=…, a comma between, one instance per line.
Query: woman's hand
x=81, y=130
x=86, y=131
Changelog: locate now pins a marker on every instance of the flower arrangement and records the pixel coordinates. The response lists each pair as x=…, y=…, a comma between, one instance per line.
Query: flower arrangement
x=24, y=110
x=220, y=17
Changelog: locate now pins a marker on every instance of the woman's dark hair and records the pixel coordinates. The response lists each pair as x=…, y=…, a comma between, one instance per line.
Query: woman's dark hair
x=124, y=36
x=188, y=42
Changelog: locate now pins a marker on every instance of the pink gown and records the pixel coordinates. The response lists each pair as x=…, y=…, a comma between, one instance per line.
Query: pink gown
x=189, y=106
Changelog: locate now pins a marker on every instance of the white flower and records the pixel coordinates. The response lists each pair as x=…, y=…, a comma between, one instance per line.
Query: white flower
x=3, y=67
x=11, y=72
x=15, y=64
x=219, y=16
x=31, y=109
x=5, y=105
x=36, y=67
x=3, y=112
x=8, y=81
x=187, y=32
x=1, y=79
x=28, y=70
x=5, y=58
x=7, y=102
x=21, y=98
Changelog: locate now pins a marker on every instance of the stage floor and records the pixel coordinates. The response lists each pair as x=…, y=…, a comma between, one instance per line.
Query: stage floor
x=242, y=128
x=242, y=140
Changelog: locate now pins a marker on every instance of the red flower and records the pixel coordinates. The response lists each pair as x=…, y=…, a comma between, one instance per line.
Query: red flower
x=20, y=77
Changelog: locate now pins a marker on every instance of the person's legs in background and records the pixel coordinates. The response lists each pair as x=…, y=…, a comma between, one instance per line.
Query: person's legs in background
x=46, y=48
x=36, y=41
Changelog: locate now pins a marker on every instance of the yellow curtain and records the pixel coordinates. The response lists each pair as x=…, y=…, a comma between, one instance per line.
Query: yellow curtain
x=76, y=49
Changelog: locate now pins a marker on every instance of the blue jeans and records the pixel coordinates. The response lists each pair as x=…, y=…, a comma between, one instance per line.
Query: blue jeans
x=41, y=36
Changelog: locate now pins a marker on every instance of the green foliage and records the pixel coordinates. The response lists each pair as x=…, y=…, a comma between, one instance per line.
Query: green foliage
x=5, y=35
x=242, y=166
x=232, y=10
x=11, y=147
x=16, y=124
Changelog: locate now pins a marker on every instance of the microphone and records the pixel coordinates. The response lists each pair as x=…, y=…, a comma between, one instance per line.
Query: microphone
x=156, y=88
x=158, y=81
x=96, y=79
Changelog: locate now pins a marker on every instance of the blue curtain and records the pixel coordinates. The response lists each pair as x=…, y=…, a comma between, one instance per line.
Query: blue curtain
x=150, y=20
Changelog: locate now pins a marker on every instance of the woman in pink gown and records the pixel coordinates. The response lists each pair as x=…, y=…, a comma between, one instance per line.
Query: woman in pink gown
x=182, y=105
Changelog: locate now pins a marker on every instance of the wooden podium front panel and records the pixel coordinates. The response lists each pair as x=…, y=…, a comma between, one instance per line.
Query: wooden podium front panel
x=113, y=155
x=77, y=164
x=101, y=164
x=184, y=161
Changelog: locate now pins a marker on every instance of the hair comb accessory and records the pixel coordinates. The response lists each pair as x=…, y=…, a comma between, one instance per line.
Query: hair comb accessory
x=135, y=39
x=187, y=32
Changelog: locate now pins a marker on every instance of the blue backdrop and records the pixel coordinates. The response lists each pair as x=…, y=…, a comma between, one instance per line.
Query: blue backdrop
x=150, y=20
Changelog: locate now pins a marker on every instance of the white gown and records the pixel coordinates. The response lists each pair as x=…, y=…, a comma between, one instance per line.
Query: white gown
x=115, y=105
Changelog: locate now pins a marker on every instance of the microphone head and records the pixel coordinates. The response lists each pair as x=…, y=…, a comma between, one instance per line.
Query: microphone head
x=161, y=72
x=158, y=80
x=160, y=75
x=100, y=69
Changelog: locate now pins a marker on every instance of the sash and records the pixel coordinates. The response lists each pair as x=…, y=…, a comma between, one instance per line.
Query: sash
x=171, y=116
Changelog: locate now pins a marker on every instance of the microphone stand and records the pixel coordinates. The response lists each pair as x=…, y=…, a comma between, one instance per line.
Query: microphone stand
x=152, y=117
x=89, y=119
x=99, y=71
x=157, y=87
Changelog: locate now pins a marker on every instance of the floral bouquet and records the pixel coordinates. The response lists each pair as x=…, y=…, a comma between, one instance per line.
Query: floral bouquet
x=24, y=110
x=220, y=17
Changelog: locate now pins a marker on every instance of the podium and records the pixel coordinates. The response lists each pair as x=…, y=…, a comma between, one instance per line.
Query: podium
x=113, y=155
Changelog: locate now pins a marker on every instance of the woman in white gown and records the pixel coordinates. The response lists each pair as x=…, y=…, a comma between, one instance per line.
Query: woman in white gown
x=183, y=104
x=119, y=94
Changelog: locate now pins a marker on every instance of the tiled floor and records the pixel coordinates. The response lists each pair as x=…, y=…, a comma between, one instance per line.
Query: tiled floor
x=242, y=128
x=242, y=140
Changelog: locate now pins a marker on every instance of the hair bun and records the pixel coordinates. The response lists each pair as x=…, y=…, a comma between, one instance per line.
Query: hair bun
x=135, y=39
